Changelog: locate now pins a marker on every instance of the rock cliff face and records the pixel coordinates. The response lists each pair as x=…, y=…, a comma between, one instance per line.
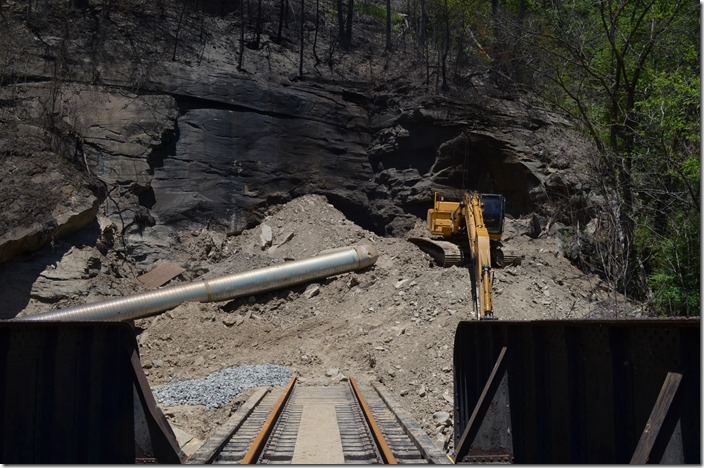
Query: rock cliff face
x=480, y=142
x=243, y=144
x=158, y=142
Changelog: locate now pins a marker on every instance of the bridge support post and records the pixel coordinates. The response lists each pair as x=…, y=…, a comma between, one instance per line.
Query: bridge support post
x=497, y=378
x=660, y=428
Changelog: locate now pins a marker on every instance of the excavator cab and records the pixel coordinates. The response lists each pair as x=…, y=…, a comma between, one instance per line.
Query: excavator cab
x=444, y=219
x=493, y=210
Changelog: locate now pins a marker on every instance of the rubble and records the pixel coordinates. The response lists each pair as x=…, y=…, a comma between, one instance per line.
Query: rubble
x=353, y=324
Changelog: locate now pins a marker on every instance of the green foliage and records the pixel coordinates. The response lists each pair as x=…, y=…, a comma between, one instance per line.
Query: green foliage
x=629, y=70
x=676, y=280
x=371, y=8
x=692, y=168
x=378, y=11
x=669, y=115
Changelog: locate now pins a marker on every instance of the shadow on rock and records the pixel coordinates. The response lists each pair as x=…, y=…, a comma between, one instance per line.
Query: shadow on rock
x=19, y=274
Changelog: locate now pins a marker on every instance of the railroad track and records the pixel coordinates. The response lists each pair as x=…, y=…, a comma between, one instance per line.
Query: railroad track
x=344, y=423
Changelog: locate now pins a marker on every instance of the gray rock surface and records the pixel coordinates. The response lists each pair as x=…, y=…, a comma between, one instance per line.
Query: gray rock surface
x=190, y=140
x=228, y=163
x=42, y=201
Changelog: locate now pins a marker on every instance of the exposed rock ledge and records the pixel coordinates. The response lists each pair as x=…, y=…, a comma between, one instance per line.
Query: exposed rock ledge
x=69, y=216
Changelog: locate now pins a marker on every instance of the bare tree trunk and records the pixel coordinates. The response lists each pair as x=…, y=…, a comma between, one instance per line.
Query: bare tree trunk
x=522, y=8
x=446, y=50
x=178, y=29
x=331, y=48
x=300, y=60
x=315, y=37
x=460, y=46
x=239, y=61
x=281, y=21
x=427, y=65
x=341, y=23
x=350, y=11
x=411, y=9
x=495, y=18
x=519, y=60
x=498, y=36
x=388, y=25
x=437, y=65
x=258, y=26
x=107, y=8
x=202, y=18
x=423, y=19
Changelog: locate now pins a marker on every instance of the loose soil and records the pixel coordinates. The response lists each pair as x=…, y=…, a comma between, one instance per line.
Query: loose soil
x=393, y=322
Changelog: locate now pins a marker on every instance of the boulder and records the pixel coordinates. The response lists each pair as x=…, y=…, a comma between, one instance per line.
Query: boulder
x=311, y=291
x=442, y=418
x=265, y=237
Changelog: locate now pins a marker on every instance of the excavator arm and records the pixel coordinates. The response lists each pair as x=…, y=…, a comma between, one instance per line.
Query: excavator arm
x=450, y=218
x=480, y=248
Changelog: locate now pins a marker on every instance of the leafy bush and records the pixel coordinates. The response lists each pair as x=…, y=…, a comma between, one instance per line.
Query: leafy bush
x=675, y=279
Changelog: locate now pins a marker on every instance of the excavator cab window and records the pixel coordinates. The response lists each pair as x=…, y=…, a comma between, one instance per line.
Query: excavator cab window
x=493, y=209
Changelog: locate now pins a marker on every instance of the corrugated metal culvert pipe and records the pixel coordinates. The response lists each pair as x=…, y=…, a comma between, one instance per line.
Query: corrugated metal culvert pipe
x=147, y=303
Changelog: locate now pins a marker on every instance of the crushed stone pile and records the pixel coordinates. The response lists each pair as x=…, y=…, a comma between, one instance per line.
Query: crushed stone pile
x=219, y=388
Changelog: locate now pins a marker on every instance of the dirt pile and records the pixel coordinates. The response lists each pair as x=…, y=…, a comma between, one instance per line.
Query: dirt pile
x=393, y=322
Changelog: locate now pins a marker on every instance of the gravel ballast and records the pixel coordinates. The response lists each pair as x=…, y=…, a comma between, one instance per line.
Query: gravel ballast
x=218, y=388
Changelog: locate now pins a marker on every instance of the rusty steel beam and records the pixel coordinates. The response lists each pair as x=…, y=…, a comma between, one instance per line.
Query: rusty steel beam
x=479, y=412
x=581, y=391
x=76, y=393
x=661, y=423
x=384, y=449
x=259, y=442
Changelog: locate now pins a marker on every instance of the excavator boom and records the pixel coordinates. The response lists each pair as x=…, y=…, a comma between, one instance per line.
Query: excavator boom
x=481, y=217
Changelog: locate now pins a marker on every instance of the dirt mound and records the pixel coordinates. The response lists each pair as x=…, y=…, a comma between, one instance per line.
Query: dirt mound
x=393, y=322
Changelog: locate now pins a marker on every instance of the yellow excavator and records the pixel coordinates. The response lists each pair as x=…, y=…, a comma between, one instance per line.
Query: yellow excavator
x=481, y=218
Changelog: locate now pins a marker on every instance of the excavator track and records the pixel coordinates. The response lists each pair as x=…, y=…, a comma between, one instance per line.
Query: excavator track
x=445, y=253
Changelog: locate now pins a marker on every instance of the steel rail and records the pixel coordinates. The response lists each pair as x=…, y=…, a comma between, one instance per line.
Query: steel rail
x=385, y=450
x=260, y=440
